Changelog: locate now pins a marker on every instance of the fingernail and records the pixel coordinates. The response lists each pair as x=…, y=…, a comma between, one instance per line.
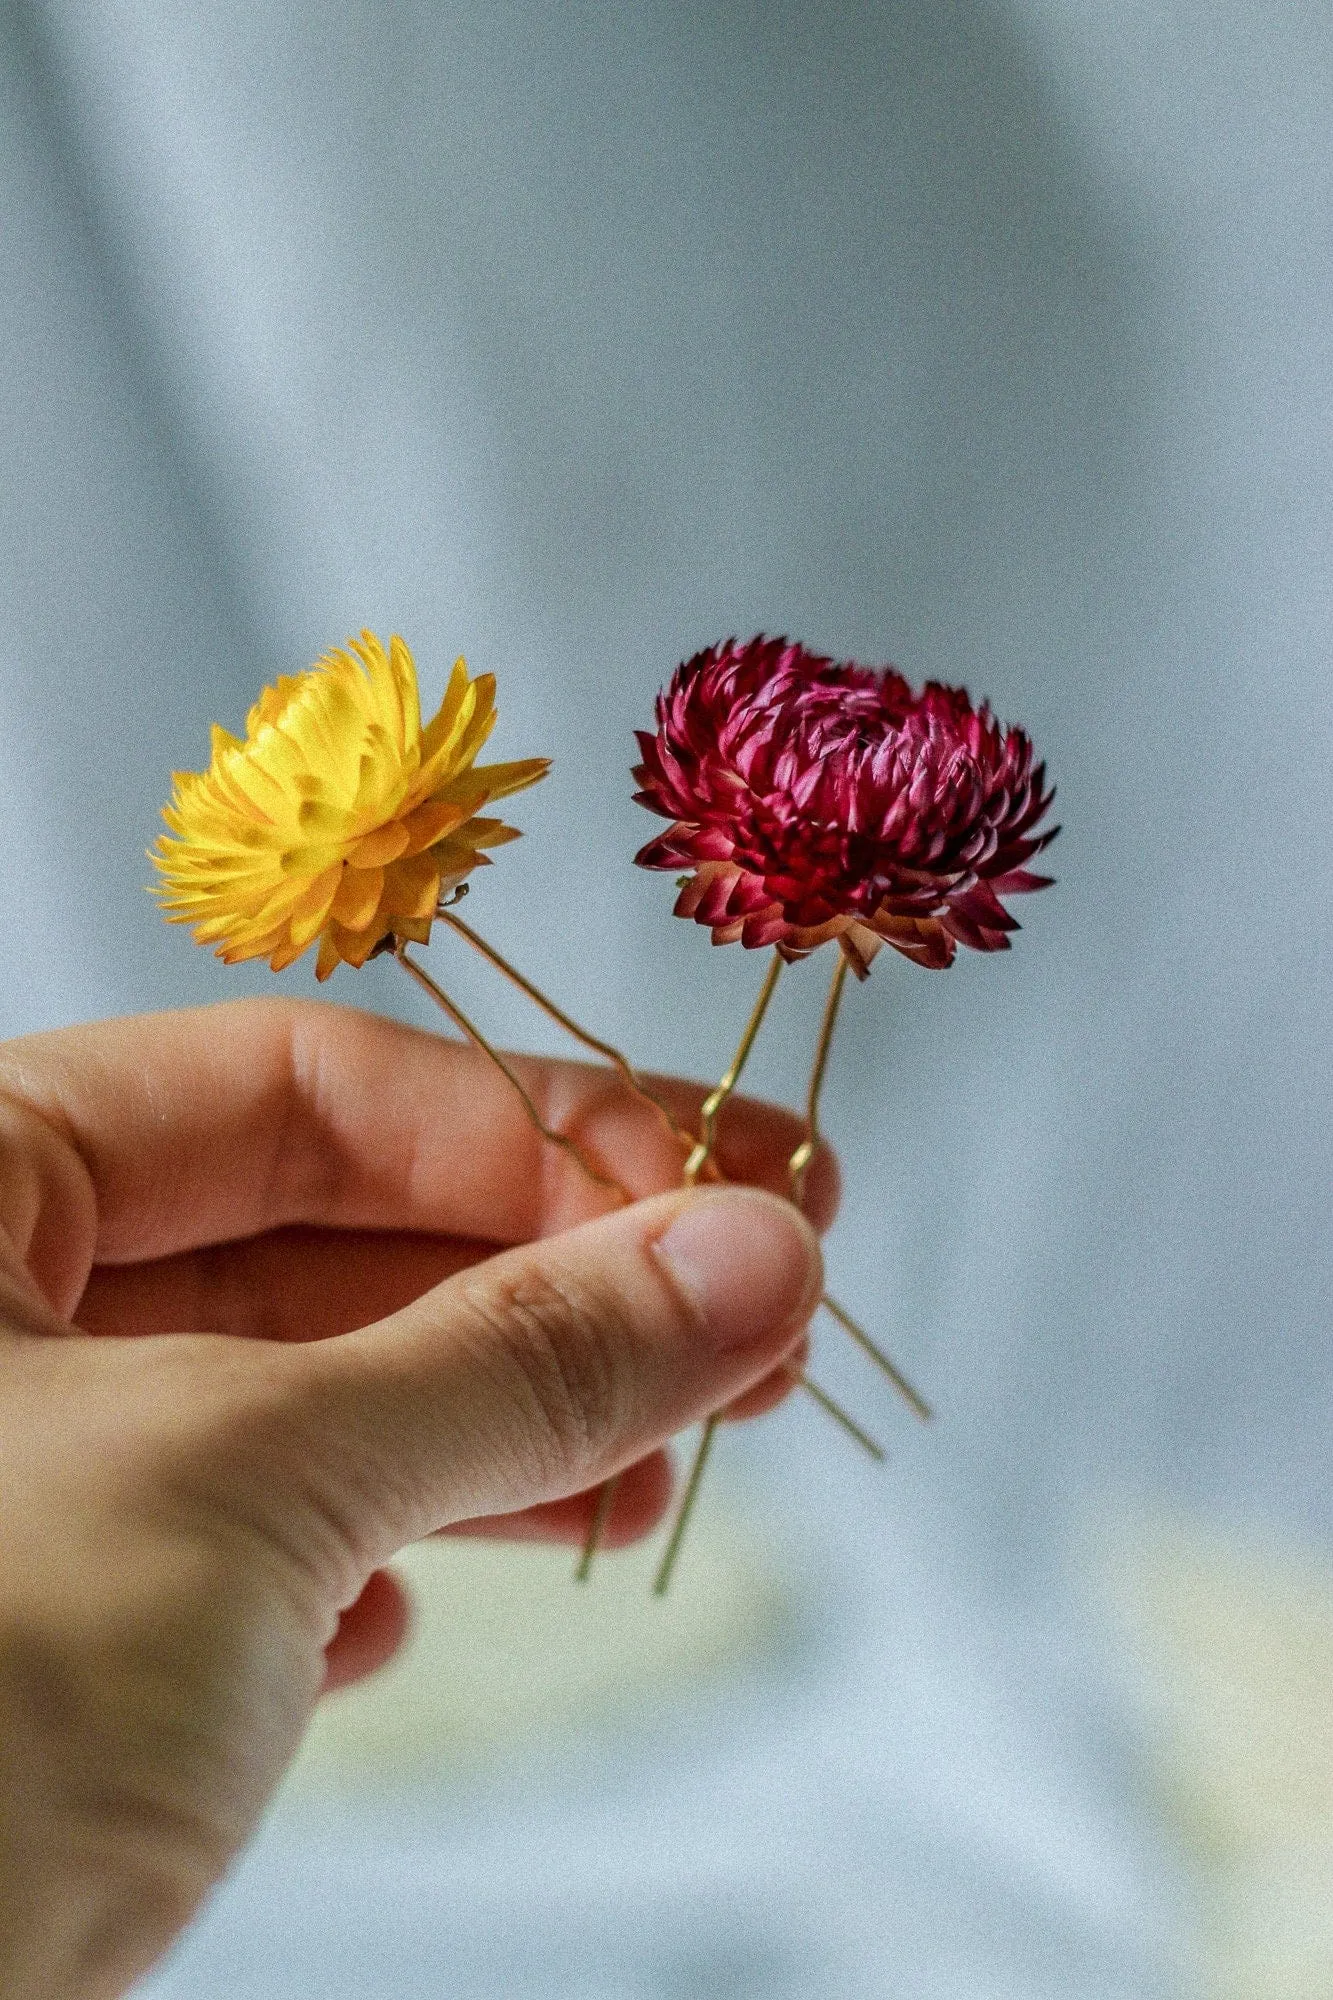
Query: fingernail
x=748, y=1262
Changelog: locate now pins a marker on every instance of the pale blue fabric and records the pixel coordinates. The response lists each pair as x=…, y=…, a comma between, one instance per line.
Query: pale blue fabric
x=992, y=339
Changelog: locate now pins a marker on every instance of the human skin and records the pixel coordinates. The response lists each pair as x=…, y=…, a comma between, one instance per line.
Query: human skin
x=284, y=1288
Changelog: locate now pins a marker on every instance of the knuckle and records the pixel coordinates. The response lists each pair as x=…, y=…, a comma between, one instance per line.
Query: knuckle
x=559, y=1343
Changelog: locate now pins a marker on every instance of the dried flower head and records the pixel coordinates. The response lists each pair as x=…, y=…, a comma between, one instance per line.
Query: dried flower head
x=339, y=817
x=813, y=799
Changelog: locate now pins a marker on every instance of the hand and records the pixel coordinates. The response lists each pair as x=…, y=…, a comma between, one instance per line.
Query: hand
x=282, y=1289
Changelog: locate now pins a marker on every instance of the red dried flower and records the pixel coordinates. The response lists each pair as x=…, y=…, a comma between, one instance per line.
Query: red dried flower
x=814, y=799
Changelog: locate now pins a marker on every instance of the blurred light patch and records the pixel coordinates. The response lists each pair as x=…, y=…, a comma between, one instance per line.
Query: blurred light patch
x=1232, y=1641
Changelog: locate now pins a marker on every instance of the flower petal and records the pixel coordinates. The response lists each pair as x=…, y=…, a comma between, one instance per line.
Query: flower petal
x=385, y=844
x=358, y=897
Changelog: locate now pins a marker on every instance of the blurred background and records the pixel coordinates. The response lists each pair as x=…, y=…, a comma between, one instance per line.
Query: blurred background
x=990, y=338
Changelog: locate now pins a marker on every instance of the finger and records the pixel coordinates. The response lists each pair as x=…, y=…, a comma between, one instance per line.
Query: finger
x=772, y=1390
x=642, y=1496
x=370, y=1631
x=528, y=1379
x=289, y=1284
x=224, y=1122
x=292, y=1285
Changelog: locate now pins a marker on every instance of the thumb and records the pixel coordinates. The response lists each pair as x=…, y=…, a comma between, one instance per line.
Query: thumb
x=547, y=1368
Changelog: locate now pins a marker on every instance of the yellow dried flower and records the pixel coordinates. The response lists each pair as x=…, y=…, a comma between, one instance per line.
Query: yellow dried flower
x=339, y=817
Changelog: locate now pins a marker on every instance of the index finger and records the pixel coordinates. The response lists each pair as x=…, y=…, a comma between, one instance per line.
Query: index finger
x=222, y=1122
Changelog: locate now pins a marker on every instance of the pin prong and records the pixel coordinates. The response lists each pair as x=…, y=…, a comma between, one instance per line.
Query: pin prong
x=881, y=1360
x=601, y=1514
x=662, y=1581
